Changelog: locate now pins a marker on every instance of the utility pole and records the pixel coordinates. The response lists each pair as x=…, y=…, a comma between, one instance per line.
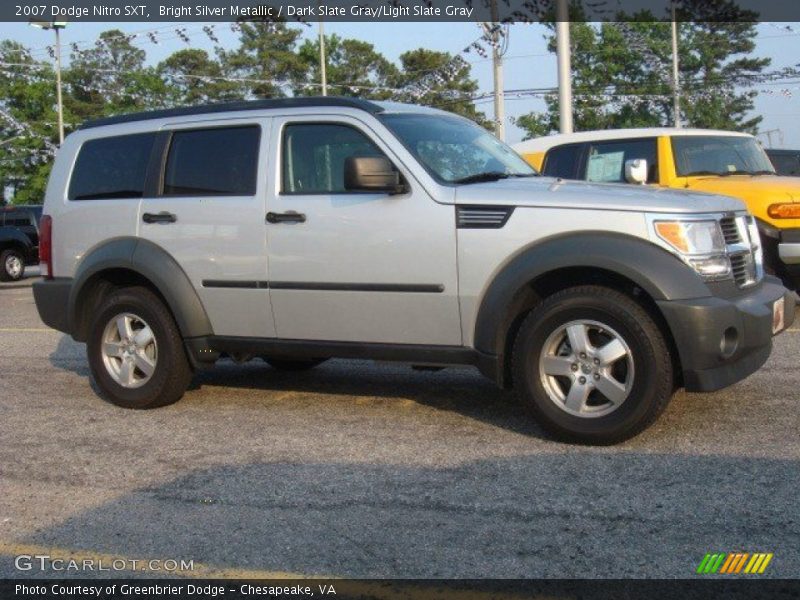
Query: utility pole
x=57, y=27
x=564, y=67
x=322, y=59
x=493, y=30
x=499, y=95
x=676, y=90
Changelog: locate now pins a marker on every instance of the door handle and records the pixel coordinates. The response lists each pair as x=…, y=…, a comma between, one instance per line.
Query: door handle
x=287, y=217
x=162, y=217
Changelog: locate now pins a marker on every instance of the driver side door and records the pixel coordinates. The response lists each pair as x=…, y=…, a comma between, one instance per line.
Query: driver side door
x=355, y=266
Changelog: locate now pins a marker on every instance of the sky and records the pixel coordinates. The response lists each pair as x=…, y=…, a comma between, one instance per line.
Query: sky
x=527, y=64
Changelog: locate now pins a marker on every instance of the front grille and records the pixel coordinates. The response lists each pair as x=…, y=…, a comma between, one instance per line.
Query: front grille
x=744, y=269
x=730, y=230
x=741, y=250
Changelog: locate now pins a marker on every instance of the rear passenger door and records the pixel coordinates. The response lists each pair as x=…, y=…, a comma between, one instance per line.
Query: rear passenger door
x=206, y=209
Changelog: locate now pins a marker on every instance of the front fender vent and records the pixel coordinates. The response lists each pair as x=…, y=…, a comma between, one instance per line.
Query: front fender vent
x=482, y=217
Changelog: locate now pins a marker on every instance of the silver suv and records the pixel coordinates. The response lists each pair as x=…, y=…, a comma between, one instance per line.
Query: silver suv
x=297, y=230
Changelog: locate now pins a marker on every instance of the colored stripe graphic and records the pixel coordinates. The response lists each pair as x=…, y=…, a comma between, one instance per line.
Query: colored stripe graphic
x=734, y=563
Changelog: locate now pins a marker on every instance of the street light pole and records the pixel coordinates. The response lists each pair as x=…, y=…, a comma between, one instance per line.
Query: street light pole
x=322, y=59
x=58, y=88
x=676, y=91
x=564, y=67
x=56, y=26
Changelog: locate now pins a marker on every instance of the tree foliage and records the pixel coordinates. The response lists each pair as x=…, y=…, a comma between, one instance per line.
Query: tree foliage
x=622, y=76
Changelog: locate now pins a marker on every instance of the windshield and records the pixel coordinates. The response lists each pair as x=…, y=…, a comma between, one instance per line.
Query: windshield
x=719, y=155
x=456, y=150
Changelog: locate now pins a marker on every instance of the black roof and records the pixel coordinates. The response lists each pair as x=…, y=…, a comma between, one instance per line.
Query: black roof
x=309, y=101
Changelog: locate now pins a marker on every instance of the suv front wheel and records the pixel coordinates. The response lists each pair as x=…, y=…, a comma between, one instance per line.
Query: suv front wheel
x=136, y=352
x=592, y=366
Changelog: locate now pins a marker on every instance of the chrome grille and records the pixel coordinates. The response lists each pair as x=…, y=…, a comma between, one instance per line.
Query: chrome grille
x=730, y=230
x=741, y=250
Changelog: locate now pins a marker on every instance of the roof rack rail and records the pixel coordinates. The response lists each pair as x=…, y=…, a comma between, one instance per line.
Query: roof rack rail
x=308, y=101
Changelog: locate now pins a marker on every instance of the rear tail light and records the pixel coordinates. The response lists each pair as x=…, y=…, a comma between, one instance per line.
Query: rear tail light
x=46, y=246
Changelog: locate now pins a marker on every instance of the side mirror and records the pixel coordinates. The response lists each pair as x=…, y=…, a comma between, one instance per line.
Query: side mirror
x=371, y=174
x=636, y=171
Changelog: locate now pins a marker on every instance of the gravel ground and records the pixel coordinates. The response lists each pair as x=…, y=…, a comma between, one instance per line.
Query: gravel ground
x=359, y=469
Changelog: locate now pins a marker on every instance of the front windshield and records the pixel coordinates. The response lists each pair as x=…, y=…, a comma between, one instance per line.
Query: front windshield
x=719, y=155
x=456, y=150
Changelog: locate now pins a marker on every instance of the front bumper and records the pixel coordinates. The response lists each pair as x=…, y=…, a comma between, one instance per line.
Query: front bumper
x=721, y=341
x=52, y=298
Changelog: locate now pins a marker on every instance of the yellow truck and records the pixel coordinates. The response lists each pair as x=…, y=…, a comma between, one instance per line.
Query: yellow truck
x=721, y=162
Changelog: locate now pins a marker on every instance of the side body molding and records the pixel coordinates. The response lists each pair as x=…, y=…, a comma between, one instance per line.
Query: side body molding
x=661, y=275
x=156, y=265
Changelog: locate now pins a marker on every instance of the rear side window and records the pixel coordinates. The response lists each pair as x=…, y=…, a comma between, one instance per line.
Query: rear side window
x=563, y=161
x=221, y=161
x=112, y=167
x=606, y=160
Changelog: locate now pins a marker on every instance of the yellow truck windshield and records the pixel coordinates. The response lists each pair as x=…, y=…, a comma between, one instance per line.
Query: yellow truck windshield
x=719, y=155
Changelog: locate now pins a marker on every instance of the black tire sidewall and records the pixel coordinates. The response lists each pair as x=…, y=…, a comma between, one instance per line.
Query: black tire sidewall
x=151, y=394
x=645, y=395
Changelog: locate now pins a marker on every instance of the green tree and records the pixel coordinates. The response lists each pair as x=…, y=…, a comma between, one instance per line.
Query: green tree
x=438, y=79
x=112, y=78
x=353, y=68
x=28, y=130
x=192, y=77
x=267, y=55
x=622, y=76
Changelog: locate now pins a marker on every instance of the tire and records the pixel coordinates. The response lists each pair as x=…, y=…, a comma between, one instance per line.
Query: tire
x=12, y=265
x=134, y=309
x=290, y=364
x=621, y=385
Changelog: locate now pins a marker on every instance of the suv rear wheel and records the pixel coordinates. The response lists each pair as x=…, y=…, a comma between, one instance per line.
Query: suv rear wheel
x=136, y=352
x=12, y=265
x=592, y=366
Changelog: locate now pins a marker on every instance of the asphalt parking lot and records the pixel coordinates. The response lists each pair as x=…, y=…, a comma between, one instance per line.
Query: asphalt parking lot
x=373, y=470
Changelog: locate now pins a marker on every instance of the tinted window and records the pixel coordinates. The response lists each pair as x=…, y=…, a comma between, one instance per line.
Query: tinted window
x=314, y=155
x=213, y=162
x=563, y=161
x=785, y=163
x=112, y=167
x=606, y=160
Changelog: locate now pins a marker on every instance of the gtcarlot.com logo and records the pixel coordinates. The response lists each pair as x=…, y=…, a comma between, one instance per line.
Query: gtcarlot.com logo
x=734, y=563
x=44, y=562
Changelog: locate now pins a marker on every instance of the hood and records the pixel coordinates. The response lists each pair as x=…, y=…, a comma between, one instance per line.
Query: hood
x=757, y=191
x=554, y=193
x=750, y=187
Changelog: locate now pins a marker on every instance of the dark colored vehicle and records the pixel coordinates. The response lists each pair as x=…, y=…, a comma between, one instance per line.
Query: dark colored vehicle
x=19, y=240
x=786, y=162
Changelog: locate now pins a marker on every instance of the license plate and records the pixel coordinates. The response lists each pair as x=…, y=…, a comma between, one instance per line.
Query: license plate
x=778, y=315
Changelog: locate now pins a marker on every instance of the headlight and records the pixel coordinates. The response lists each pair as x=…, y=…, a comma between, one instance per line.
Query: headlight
x=699, y=243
